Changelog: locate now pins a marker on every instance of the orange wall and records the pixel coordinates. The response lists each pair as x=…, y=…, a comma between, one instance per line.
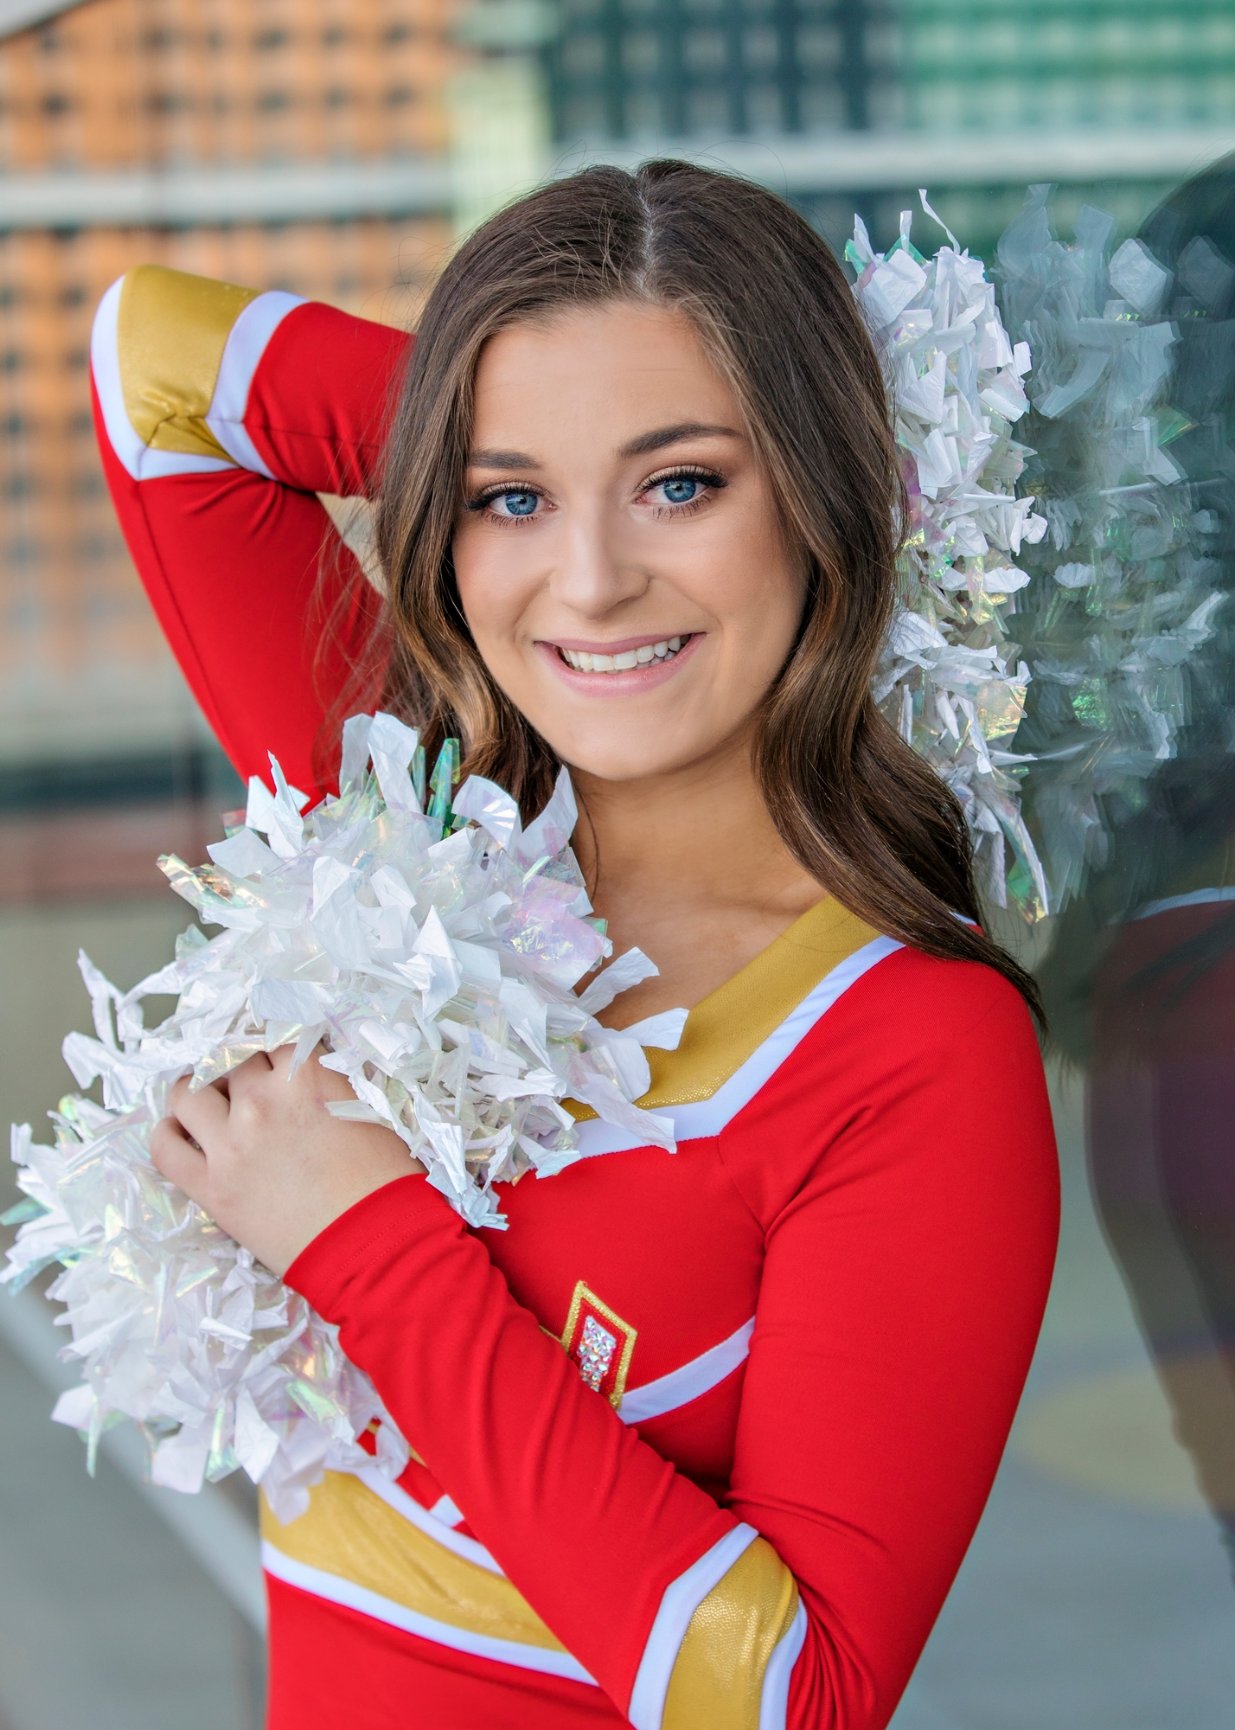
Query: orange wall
x=120, y=85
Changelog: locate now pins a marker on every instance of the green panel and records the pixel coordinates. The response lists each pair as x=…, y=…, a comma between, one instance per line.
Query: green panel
x=980, y=63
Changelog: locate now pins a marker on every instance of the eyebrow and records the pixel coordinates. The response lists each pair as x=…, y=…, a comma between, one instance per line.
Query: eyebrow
x=636, y=447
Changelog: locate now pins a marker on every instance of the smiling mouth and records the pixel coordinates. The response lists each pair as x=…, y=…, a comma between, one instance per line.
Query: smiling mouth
x=649, y=654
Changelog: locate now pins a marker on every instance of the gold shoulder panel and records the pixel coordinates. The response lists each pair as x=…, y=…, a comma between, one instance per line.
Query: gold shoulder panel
x=717, y=1677
x=730, y=1024
x=172, y=328
x=349, y=1532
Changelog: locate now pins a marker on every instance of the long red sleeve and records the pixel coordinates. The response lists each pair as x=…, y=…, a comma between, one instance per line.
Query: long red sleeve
x=889, y=1199
x=220, y=412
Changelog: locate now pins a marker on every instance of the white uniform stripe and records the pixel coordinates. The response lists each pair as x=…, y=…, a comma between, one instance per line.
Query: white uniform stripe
x=682, y=1598
x=425, y=1521
x=1194, y=898
x=132, y=450
x=447, y=1512
x=706, y=1117
x=340, y=1591
x=688, y=1381
x=246, y=344
x=774, y=1703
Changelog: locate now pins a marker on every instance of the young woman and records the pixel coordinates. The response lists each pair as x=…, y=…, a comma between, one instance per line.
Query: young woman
x=701, y=1439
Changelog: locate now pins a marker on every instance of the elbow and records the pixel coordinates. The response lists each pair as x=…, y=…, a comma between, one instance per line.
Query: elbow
x=834, y=1687
x=733, y=1646
x=156, y=349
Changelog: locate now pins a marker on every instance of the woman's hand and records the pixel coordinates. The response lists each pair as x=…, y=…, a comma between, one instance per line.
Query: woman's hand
x=260, y=1153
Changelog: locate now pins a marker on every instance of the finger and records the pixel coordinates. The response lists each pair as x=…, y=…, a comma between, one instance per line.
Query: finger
x=310, y=1068
x=203, y=1111
x=252, y=1072
x=331, y=1081
x=281, y=1060
x=176, y=1157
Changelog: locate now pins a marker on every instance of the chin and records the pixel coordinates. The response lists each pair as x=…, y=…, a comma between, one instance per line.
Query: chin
x=616, y=759
x=611, y=765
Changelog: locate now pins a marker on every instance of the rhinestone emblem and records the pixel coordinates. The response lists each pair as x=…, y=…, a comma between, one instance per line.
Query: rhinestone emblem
x=600, y=1342
x=596, y=1351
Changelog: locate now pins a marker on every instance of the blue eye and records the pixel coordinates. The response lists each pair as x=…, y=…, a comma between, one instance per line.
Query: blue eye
x=519, y=502
x=525, y=502
x=686, y=490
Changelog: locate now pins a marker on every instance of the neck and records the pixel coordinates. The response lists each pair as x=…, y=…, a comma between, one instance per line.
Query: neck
x=701, y=835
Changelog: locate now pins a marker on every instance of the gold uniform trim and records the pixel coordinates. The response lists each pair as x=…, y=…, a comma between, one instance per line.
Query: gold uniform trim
x=349, y=1531
x=628, y=1335
x=717, y=1677
x=172, y=328
x=729, y=1024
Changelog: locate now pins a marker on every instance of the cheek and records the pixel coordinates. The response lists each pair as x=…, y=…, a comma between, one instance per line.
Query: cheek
x=757, y=590
x=492, y=592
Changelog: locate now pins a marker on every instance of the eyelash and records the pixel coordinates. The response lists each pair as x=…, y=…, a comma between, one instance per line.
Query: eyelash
x=689, y=471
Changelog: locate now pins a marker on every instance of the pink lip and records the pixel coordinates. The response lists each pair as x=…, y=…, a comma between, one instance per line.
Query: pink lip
x=631, y=679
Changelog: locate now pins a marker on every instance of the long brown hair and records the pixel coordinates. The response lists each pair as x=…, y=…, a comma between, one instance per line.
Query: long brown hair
x=854, y=804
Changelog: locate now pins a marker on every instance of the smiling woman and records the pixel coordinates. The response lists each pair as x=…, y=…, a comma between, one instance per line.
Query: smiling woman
x=700, y=1440
x=625, y=543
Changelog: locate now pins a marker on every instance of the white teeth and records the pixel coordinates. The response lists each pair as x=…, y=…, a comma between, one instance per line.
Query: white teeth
x=588, y=663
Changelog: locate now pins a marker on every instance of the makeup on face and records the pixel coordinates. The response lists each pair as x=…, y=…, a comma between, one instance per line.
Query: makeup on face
x=631, y=665
x=616, y=534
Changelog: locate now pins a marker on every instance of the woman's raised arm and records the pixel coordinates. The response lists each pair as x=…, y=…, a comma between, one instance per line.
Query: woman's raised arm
x=220, y=412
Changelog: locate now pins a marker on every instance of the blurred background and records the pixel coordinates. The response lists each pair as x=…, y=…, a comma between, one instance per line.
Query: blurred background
x=338, y=148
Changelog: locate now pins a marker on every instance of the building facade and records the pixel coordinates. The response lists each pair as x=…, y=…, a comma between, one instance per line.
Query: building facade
x=214, y=137
x=338, y=147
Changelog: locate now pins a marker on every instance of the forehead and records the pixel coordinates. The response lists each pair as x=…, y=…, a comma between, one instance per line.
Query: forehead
x=619, y=358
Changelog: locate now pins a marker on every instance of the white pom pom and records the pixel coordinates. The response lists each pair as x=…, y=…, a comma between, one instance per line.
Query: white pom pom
x=440, y=966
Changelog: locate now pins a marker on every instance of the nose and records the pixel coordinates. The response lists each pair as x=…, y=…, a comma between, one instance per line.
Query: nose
x=595, y=568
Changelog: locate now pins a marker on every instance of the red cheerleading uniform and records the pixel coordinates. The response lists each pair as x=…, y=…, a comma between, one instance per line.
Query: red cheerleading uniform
x=702, y=1438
